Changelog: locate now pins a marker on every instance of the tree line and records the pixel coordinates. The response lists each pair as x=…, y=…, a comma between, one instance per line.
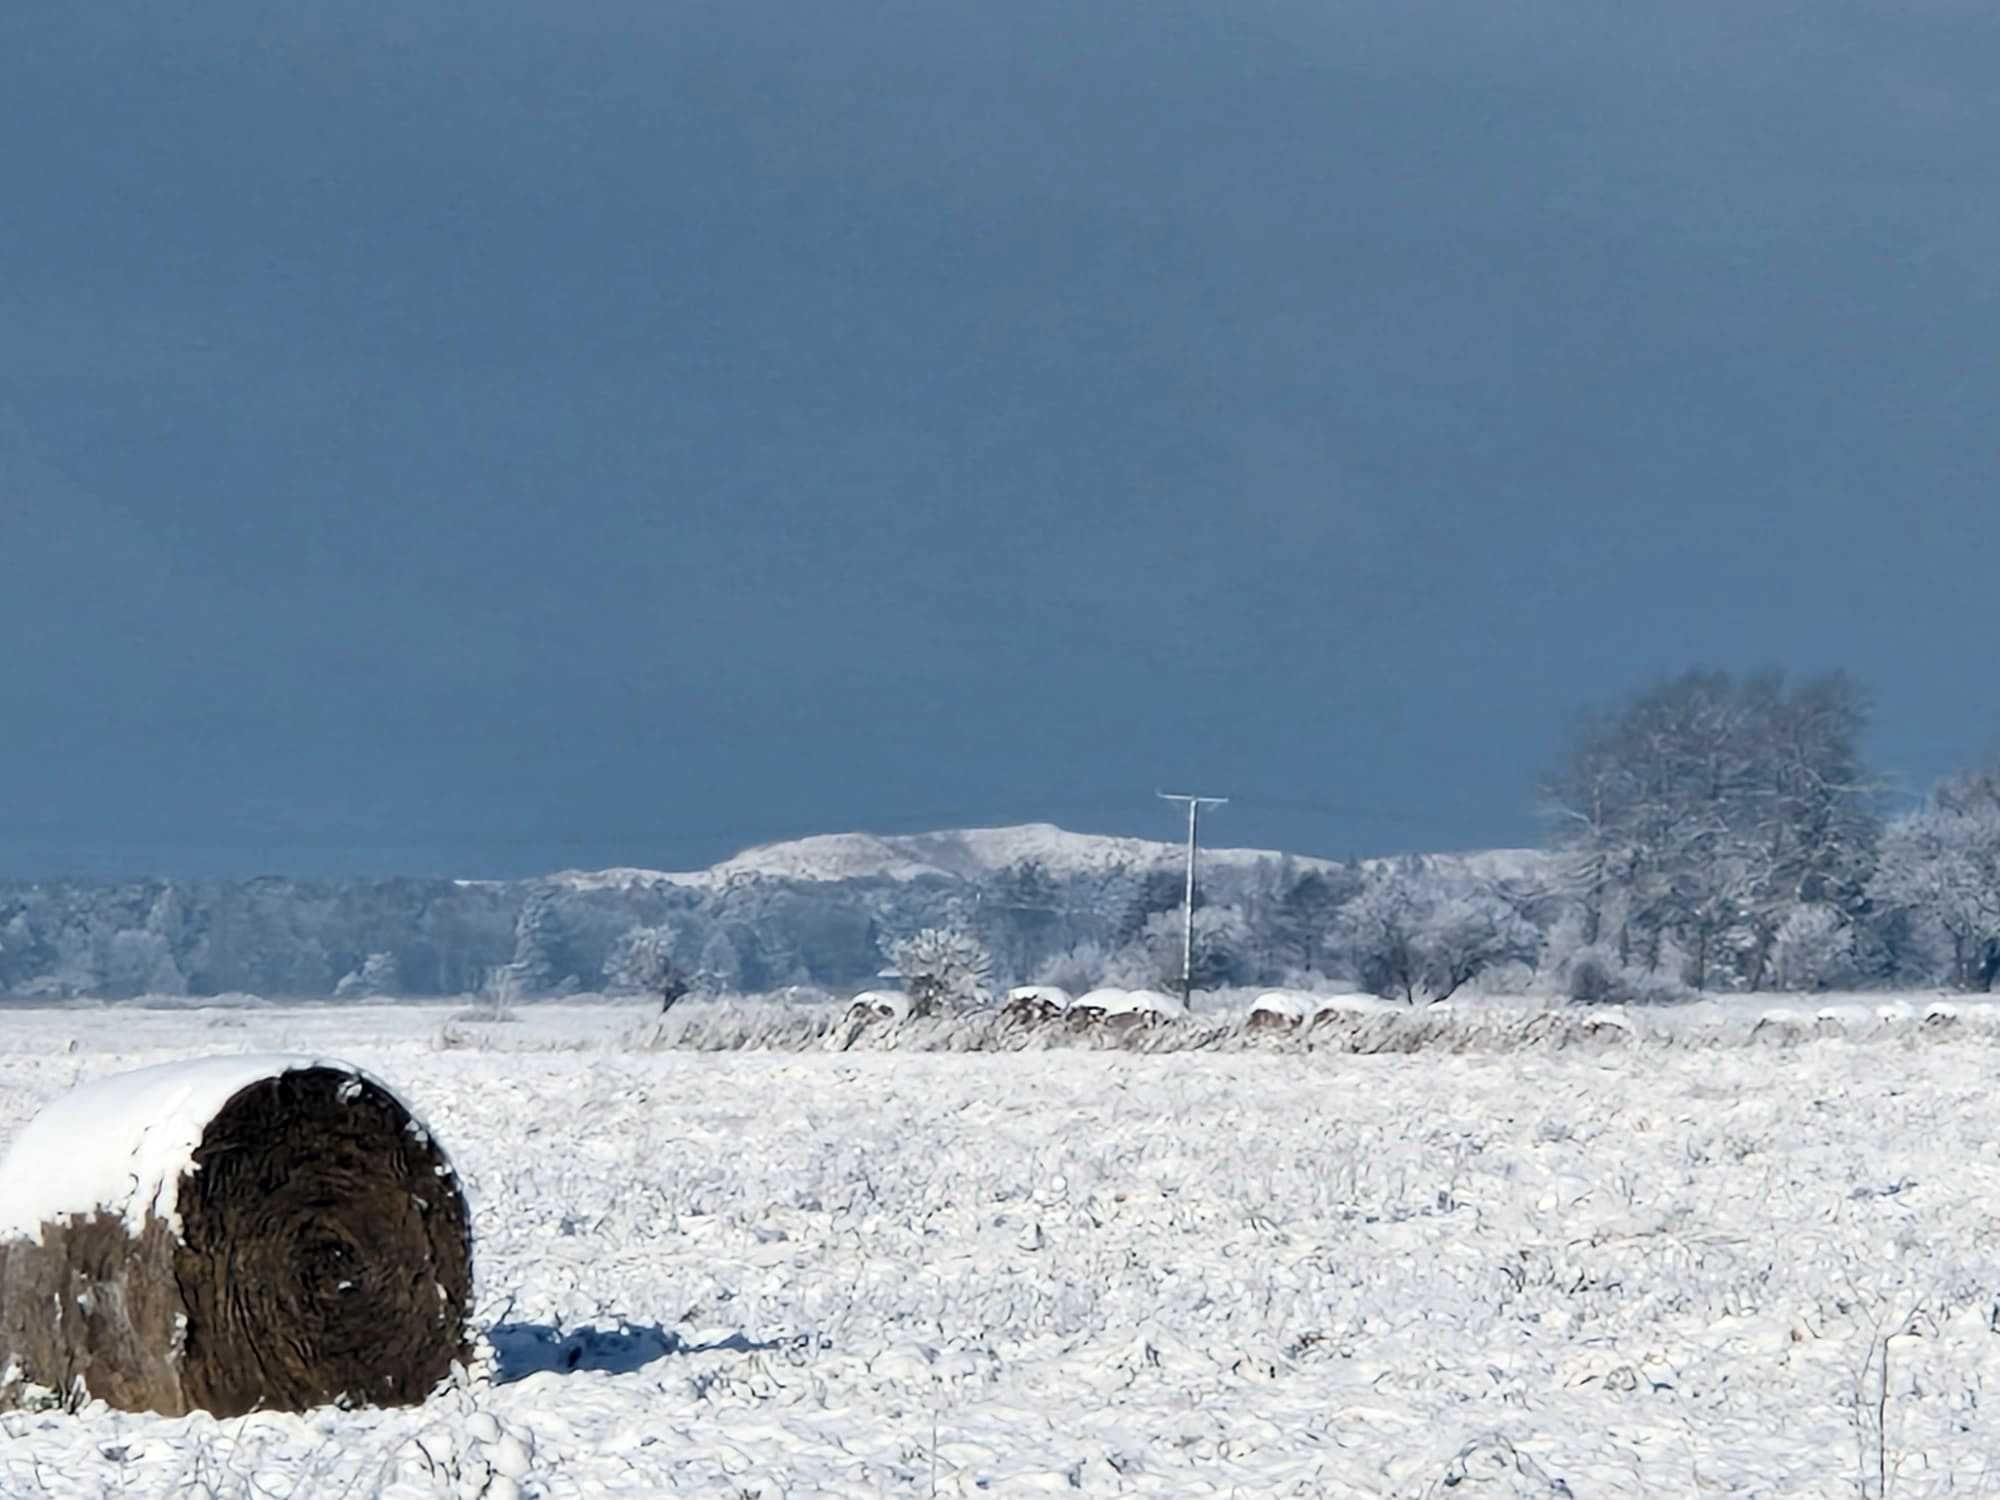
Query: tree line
x=1714, y=832
x=1726, y=833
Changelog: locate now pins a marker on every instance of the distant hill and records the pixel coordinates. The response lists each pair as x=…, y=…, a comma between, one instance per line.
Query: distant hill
x=974, y=853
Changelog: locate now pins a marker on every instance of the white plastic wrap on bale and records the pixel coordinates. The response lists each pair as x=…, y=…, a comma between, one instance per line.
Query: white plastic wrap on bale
x=122, y=1144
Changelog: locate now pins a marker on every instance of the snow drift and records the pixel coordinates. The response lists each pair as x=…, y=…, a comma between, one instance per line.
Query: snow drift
x=230, y=1234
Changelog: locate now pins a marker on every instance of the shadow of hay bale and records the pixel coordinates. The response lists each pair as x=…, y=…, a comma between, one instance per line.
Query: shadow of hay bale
x=522, y=1350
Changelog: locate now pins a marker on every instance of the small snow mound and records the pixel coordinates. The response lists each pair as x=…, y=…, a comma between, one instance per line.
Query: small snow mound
x=1610, y=1018
x=1105, y=1000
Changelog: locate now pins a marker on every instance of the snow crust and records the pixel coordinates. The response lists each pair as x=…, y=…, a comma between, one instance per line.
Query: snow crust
x=122, y=1143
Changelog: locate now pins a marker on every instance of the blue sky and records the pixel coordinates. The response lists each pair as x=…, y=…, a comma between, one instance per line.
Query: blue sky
x=485, y=438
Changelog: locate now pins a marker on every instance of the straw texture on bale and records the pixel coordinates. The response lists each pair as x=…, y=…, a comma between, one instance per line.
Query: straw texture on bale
x=319, y=1252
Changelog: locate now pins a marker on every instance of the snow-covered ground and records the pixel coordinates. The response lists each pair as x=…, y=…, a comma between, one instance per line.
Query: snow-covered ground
x=1636, y=1269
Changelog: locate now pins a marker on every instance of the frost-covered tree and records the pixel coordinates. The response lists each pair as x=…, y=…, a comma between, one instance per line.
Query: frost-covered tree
x=1412, y=934
x=942, y=969
x=643, y=963
x=533, y=965
x=719, y=971
x=1082, y=968
x=1152, y=960
x=378, y=975
x=1704, y=812
x=1941, y=865
x=139, y=962
x=1814, y=949
x=1021, y=917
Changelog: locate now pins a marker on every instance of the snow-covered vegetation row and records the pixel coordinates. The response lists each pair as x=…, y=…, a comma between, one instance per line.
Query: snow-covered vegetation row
x=1640, y=1270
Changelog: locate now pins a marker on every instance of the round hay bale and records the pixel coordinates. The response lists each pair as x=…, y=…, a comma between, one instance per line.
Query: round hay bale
x=1780, y=1028
x=1034, y=1004
x=229, y=1235
x=1157, y=1003
x=879, y=1005
x=1279, y=1011
x=1088, y=1010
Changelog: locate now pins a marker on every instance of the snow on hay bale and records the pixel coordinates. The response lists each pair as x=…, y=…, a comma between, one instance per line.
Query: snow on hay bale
x=1090, y=1008
x=228, y=1235
x=879, y=1005
x=1782, y=1028
x=1352, y=1007
x=1280, y=1011
x=1135, y=1010
x=1034, y=1004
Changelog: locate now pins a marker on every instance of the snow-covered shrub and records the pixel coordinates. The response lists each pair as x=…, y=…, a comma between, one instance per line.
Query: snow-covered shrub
x=1595, y=977
x=1080, y=969
x=942, y=969
x=720, y=968
x=1153, y=959
x=377, y=976
x=643, y=964
x=1412, y=936
x=1814, y=950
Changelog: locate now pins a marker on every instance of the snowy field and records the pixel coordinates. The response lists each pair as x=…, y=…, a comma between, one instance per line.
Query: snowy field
x=1668, y=1265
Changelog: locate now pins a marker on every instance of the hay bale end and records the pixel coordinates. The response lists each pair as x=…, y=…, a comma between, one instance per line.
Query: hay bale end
x=228, y=1235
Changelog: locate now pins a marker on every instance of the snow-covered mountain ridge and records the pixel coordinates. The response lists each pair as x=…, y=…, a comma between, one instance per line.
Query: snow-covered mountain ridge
x=970, y=853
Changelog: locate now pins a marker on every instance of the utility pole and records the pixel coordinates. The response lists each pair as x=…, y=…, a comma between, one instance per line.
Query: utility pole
x=1194, y=807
